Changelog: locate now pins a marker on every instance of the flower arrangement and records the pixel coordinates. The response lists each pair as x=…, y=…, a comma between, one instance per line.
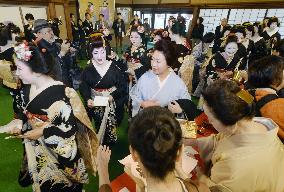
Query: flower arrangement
x=22, y=52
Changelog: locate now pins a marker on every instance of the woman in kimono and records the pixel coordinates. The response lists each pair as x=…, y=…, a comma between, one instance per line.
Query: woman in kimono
x=58, y=136
x=260, y=49
x=161, y=86
x=177, y=34
x=223, y=64
x=272, y=35
x=103, y=78
x=245, y=45
x=246, y=155
x=135, y=55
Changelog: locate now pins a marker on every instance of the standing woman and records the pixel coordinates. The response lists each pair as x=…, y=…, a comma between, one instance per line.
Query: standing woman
x=272, y=35
x=161, y=86
x=119, y=31
x=28, y=28
x=177, y=34
x=56, y=126
x=103, y=78
x=135, y=55
x=260, y=49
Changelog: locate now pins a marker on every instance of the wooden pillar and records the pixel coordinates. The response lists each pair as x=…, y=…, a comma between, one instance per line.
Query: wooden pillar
x=196, y=11
x=67, y=19
x=51, y=13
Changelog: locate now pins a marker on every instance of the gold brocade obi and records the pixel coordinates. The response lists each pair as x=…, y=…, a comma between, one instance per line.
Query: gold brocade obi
x=37, y=121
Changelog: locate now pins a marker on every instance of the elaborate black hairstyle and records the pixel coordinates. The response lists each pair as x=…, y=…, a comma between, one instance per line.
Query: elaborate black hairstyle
x=273, y=20
x=39, y=61
x=29, y=16
x=96, y=40
x=178, y=26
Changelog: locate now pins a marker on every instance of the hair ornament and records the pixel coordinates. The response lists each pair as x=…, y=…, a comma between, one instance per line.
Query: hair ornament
x=22, y=52
x=245, y=96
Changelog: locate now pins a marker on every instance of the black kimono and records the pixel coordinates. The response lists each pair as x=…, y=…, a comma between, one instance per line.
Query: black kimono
x=271, y=41
x=259, y=51
x=219, y=64
x=54, y=161
x=182, y=51
x=111, y=84
x=29, y=36
x=88, y=27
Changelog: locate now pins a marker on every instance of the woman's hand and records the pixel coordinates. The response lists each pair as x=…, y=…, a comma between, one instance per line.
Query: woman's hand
x=110, y=98
x=174, y=107
x=90, y=103
x=103, y=157
x=33, y=134
x=149, y=103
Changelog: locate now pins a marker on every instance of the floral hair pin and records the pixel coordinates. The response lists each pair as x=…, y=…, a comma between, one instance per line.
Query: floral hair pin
x=22, y=52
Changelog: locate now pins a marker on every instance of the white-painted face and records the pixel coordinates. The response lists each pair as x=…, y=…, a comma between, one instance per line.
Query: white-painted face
x=255, y=29
x=273, y=25
x=135, y=39
x=99, y=55
x=240, y=36
x=248, y=34
x=157, y=38
x=159, y=63
x=24, y=72
x=231, y=49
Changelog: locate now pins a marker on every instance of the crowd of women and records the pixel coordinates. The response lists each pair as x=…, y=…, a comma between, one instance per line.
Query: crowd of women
x=239, y=81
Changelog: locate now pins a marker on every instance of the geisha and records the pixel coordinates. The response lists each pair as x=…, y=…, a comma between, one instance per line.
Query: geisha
x=177, y=34
x=272, y=35
x=135, y=55
x=58, y=136
x=102, y=78
x=223, y=64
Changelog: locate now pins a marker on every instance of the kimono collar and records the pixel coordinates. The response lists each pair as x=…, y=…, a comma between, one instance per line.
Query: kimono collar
x=102, y=69
x=270, y=33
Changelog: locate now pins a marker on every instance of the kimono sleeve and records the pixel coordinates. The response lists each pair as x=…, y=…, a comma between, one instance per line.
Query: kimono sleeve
x=121, y=85
x=59, y=136
x=136, y=93
x=146, y=65
x=206, y=147
x=85, y=89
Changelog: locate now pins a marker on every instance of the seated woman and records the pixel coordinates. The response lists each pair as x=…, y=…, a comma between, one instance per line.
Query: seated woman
x=266, y=76
x=161, y=86
x=223, y=64
x=103, y=78
x=56, y=126
x=155, y=139
x=246, y=154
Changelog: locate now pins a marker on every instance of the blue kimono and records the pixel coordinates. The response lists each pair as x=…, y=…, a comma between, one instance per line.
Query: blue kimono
x=149, y=87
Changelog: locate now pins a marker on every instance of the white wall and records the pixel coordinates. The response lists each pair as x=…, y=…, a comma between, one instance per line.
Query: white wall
x=12, y=13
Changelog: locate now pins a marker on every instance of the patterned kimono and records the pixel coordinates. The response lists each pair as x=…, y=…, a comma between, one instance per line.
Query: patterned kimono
x=137, y=61
x=111, y=84
x=271, y=40
x=59, y=158
x=171, y=89
x=218, y=64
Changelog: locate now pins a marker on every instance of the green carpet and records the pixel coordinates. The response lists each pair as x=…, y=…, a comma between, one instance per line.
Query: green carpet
x=11, y=150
